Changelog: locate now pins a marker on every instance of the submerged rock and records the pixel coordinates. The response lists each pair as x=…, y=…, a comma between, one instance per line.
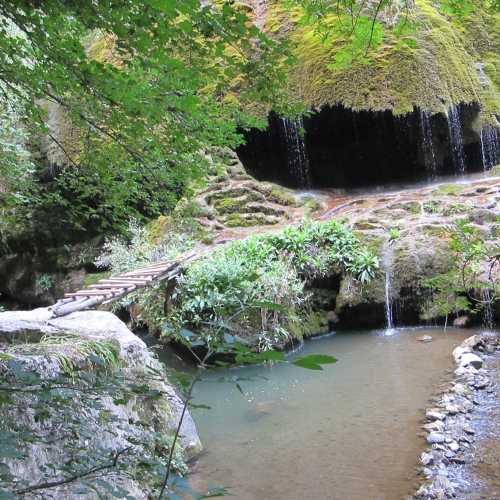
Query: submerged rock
x=425, y=338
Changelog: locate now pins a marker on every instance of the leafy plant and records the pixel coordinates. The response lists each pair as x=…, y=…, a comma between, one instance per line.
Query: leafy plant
x=44, y=282
x=258, y=285
x=393, y=235
x=472, y=282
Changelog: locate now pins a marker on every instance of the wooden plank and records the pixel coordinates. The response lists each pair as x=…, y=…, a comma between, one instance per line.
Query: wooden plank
x=115, y=286
x=125, y=292
x=121, y=281
x=152, y=267
x=108, y=290
x=125, y=278
x=100, y=285
x=88, y=293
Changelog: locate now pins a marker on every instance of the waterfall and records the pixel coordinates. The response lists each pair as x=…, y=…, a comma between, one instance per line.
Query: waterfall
x=427, y=143
x=488, y=315
x=388, y=301
x=490, y=146
x=387, y=264
x=456, y=141
x=297, y=160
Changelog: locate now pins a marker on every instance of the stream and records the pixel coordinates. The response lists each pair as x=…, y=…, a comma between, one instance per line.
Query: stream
x=351, y=431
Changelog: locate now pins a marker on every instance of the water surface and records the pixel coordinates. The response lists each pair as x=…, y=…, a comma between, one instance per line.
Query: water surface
x=349, y=432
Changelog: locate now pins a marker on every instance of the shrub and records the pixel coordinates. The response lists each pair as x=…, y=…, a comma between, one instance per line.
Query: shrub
x=257, y=286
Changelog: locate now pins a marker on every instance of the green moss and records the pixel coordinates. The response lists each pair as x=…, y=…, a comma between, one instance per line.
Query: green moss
x=311, y=324
x=228, y=205
x=311, y=204
x=449, y=189
x=92, y=278
x=412, y=206
x=364, y=225
x=432, y=207
x=495, y=231
x=282, y=197
x=431, y=67
x=456, y=208
x=239, y=220
x=436, y=231
x=495, y=171
x=235, y=192
x=157, y=228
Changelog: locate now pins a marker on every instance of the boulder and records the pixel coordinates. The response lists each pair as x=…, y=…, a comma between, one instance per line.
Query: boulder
x=470, y=359
x=138, y=419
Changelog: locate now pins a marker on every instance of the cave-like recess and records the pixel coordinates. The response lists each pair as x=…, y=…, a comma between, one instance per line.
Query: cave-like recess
x=342, y=148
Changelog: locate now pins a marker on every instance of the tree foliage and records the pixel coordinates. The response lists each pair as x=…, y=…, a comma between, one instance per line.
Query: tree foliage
x=148, y=85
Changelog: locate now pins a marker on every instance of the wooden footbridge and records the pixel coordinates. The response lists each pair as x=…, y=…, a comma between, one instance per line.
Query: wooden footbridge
x=113, y=288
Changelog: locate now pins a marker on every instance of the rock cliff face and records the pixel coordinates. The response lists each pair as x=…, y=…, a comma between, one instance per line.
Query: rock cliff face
x=129, y=405
x=420, y=220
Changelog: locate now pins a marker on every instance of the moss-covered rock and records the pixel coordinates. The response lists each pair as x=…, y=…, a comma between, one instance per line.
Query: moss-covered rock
x=430, y=63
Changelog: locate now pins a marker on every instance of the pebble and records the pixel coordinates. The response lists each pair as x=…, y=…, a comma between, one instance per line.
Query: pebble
x=452, y=409
x=450, y=431
x=425, y=338
x=460, y=389
x=435, y=415
x=436, y=437
x=480, y=383
x=427, y=458
x=437, y=425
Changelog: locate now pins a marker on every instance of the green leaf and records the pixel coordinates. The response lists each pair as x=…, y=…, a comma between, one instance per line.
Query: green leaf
x=214, y=492
x=314, y=361
x=271, y=306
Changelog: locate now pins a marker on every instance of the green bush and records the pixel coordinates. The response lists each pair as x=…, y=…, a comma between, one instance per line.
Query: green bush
x=257, y=287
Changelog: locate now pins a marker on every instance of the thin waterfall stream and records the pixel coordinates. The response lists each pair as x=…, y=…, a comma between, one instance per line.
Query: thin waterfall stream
x=428, y=144
x=388, y=259
x=297, y=159
x=490, y=147
x=456, y=139
x=488, y=314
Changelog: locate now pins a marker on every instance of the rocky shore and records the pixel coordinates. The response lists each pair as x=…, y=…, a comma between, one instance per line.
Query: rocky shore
x=451, y=433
